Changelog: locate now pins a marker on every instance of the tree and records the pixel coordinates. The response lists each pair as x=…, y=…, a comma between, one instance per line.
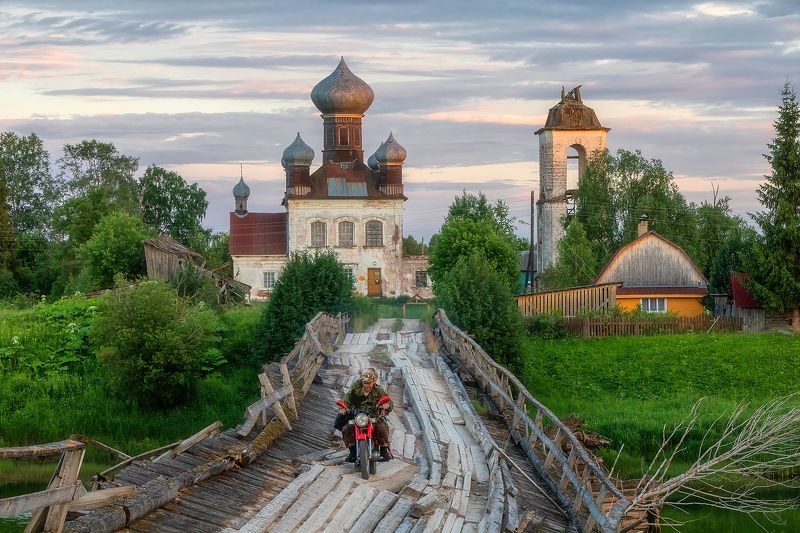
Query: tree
x=95, y=166
x=715, y=223
x=116, y=247
x=734, y=255
x=615, y=190
x=155, y=344
x=576, y=264
x=477, y=299
x=32, y=190
x=7, y=233
x=478, y=209
x=170, y=205
x=412, y=247
x=777, y=273
x=307, y=285
x=461, y=237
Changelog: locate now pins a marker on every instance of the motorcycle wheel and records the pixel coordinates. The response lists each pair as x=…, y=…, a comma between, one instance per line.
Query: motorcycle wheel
x=373, y=466
x=363, y=459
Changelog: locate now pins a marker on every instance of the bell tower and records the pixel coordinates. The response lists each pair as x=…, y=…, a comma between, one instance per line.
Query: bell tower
x=570, y=125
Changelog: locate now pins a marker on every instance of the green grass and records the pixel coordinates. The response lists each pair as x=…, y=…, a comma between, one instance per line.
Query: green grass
x=630, y=388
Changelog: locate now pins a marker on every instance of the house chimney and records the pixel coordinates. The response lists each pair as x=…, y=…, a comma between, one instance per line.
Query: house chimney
x=642, y=227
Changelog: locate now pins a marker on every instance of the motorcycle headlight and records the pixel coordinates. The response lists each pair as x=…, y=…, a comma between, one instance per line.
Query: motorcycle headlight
x=362, y=420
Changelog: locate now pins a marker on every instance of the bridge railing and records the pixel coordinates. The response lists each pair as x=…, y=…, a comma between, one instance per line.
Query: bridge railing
x=570, y=476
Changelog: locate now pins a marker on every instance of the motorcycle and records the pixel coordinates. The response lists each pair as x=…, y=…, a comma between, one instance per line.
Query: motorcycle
x=367, y=452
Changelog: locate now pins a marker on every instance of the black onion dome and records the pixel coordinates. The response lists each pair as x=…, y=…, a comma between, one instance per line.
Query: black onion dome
x=297, y=154
x=342, y=93
x=241, y=190
x=372, y=162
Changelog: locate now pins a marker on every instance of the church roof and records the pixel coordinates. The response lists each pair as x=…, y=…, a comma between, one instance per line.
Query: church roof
x=342, y=92
x=258, y=234
x=571, y=114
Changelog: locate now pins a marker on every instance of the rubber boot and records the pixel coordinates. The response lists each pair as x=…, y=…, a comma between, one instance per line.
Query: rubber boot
x=386, y=454
x=352, y=457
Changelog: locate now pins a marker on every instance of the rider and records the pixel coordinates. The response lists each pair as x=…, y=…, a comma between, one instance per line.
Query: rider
x=365, y=392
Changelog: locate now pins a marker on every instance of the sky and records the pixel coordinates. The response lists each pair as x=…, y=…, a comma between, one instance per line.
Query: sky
x=201, y=87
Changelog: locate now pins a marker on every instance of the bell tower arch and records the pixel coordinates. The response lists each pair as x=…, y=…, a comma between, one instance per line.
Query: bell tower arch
x=572, y=130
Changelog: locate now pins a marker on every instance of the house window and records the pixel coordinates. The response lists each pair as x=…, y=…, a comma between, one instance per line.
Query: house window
x=318, y=230
x=421, y=278
x=351, y=269
x=347, y=232
x=374, y=233
x=653, y=305
x=269, y=280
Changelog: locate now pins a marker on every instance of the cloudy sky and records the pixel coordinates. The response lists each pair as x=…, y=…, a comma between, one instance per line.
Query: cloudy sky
x=201, y=87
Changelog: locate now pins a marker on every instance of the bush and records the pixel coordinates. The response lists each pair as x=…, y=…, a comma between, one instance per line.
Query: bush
x=546, y=326
x=156, y=345
x=478, y=300
x=8, y=285
x=191, y=283
x=116, y=246
x=238, y=324
x=307, y=285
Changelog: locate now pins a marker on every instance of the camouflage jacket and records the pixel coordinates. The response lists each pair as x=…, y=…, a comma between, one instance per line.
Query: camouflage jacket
x=355, y=397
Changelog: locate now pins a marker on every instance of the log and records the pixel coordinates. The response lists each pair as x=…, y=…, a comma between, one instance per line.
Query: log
x=306, y=502
x=101, y=498
x=392, y=520
x=426, y=503
x=351, y=509
x=375, y=512
x=328, y=505
x=36, y=500
x=40, y=450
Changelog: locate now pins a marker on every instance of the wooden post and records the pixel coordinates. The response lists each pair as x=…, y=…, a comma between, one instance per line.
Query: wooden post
x=68, y=475
x=277, y=407
x=287, y=380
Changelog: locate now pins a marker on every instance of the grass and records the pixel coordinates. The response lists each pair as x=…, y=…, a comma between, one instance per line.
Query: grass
x=630, y=388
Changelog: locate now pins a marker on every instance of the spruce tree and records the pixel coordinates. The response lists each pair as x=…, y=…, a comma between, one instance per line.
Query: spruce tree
x=777, y=258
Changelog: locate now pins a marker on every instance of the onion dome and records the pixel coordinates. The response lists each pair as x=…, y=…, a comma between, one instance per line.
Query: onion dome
x=372, y=162
x=342, y=93
x=390, y=152
x=297, y=154
x=241, y=190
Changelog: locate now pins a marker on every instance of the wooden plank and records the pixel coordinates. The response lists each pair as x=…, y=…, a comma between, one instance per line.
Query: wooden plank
x=367, y=522
x=287, y=381
x=323, y=512
x=67, y=476
x=351, y=509
x=409, y=445
x=184, y=445
x=306, y=502
x=426, y=503
x=392, y=520
x=40, y=450
x=100, y=498
x=36, y=500
x=435, y=522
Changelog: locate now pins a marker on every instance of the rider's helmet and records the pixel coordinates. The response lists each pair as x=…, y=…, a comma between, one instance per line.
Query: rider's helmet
x=369, y=375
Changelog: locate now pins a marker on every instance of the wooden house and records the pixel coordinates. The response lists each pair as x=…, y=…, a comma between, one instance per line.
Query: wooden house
x=656, y=275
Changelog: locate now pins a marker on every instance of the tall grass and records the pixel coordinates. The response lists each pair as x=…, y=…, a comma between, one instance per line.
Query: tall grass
x=631, y=388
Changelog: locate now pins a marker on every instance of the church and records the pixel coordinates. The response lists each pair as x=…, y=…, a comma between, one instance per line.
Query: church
x=347, y=205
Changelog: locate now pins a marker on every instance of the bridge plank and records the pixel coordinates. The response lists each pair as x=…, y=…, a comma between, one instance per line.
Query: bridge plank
x=352, y=508
x=374, y=513
x=391, y=521
x=306, y=502
x=323, y=512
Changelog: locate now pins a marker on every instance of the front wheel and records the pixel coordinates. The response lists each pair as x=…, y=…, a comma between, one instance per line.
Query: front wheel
x=363, y=458
x=373, y=466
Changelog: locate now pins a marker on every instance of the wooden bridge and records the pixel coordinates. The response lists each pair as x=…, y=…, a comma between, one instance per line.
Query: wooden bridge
x=516, y=467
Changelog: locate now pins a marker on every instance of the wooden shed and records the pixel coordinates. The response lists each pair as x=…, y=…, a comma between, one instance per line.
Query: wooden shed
x=656, y=275
x=165, y=257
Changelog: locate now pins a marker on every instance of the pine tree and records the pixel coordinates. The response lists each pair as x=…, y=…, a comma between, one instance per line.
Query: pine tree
x=777, y=261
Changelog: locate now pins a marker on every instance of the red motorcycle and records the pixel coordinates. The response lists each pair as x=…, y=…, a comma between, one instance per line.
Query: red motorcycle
x=367, y=453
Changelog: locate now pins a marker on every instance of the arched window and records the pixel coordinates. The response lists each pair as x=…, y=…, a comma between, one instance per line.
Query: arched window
x=347, y=233
x=318, y=234
x=374, y=233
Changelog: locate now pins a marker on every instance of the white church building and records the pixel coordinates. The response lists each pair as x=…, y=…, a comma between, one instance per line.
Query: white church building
x=347, y=205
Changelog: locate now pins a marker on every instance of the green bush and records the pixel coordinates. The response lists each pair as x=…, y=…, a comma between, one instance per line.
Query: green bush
x=546, y=326
x=238, y=324
x=479, y=301
x=8, y=284
x=116, y=246
x=156, y=344
x=307, y=285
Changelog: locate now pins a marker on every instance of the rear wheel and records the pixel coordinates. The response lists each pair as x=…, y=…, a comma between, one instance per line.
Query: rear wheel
x=373, y=466
x=363, y=458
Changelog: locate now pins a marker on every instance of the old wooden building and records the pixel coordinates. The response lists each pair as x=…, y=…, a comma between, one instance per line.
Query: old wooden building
x=348, y=204
x=656, y=275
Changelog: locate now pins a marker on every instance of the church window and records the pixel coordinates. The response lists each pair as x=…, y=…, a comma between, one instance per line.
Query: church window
x=421, y=278
x=346, y=233
x=374, y=233
x=318, y=231
x=269, y=280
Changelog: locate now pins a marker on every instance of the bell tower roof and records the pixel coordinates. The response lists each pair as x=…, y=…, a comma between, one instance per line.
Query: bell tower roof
x=571, y=114
x=342, y=92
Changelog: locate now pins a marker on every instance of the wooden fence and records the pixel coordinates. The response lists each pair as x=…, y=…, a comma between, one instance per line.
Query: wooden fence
x=621, y=326
x=570, y=475
x=65, y=492
x=570, y=302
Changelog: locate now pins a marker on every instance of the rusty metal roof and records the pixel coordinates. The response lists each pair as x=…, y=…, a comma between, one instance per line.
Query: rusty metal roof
x=258, y=234
x=571, y=114
x=742, y=298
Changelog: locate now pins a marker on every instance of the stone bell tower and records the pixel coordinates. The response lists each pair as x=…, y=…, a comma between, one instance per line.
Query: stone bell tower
x=570, y=124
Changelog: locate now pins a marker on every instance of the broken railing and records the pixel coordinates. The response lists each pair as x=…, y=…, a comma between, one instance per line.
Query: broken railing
x=571, y=476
